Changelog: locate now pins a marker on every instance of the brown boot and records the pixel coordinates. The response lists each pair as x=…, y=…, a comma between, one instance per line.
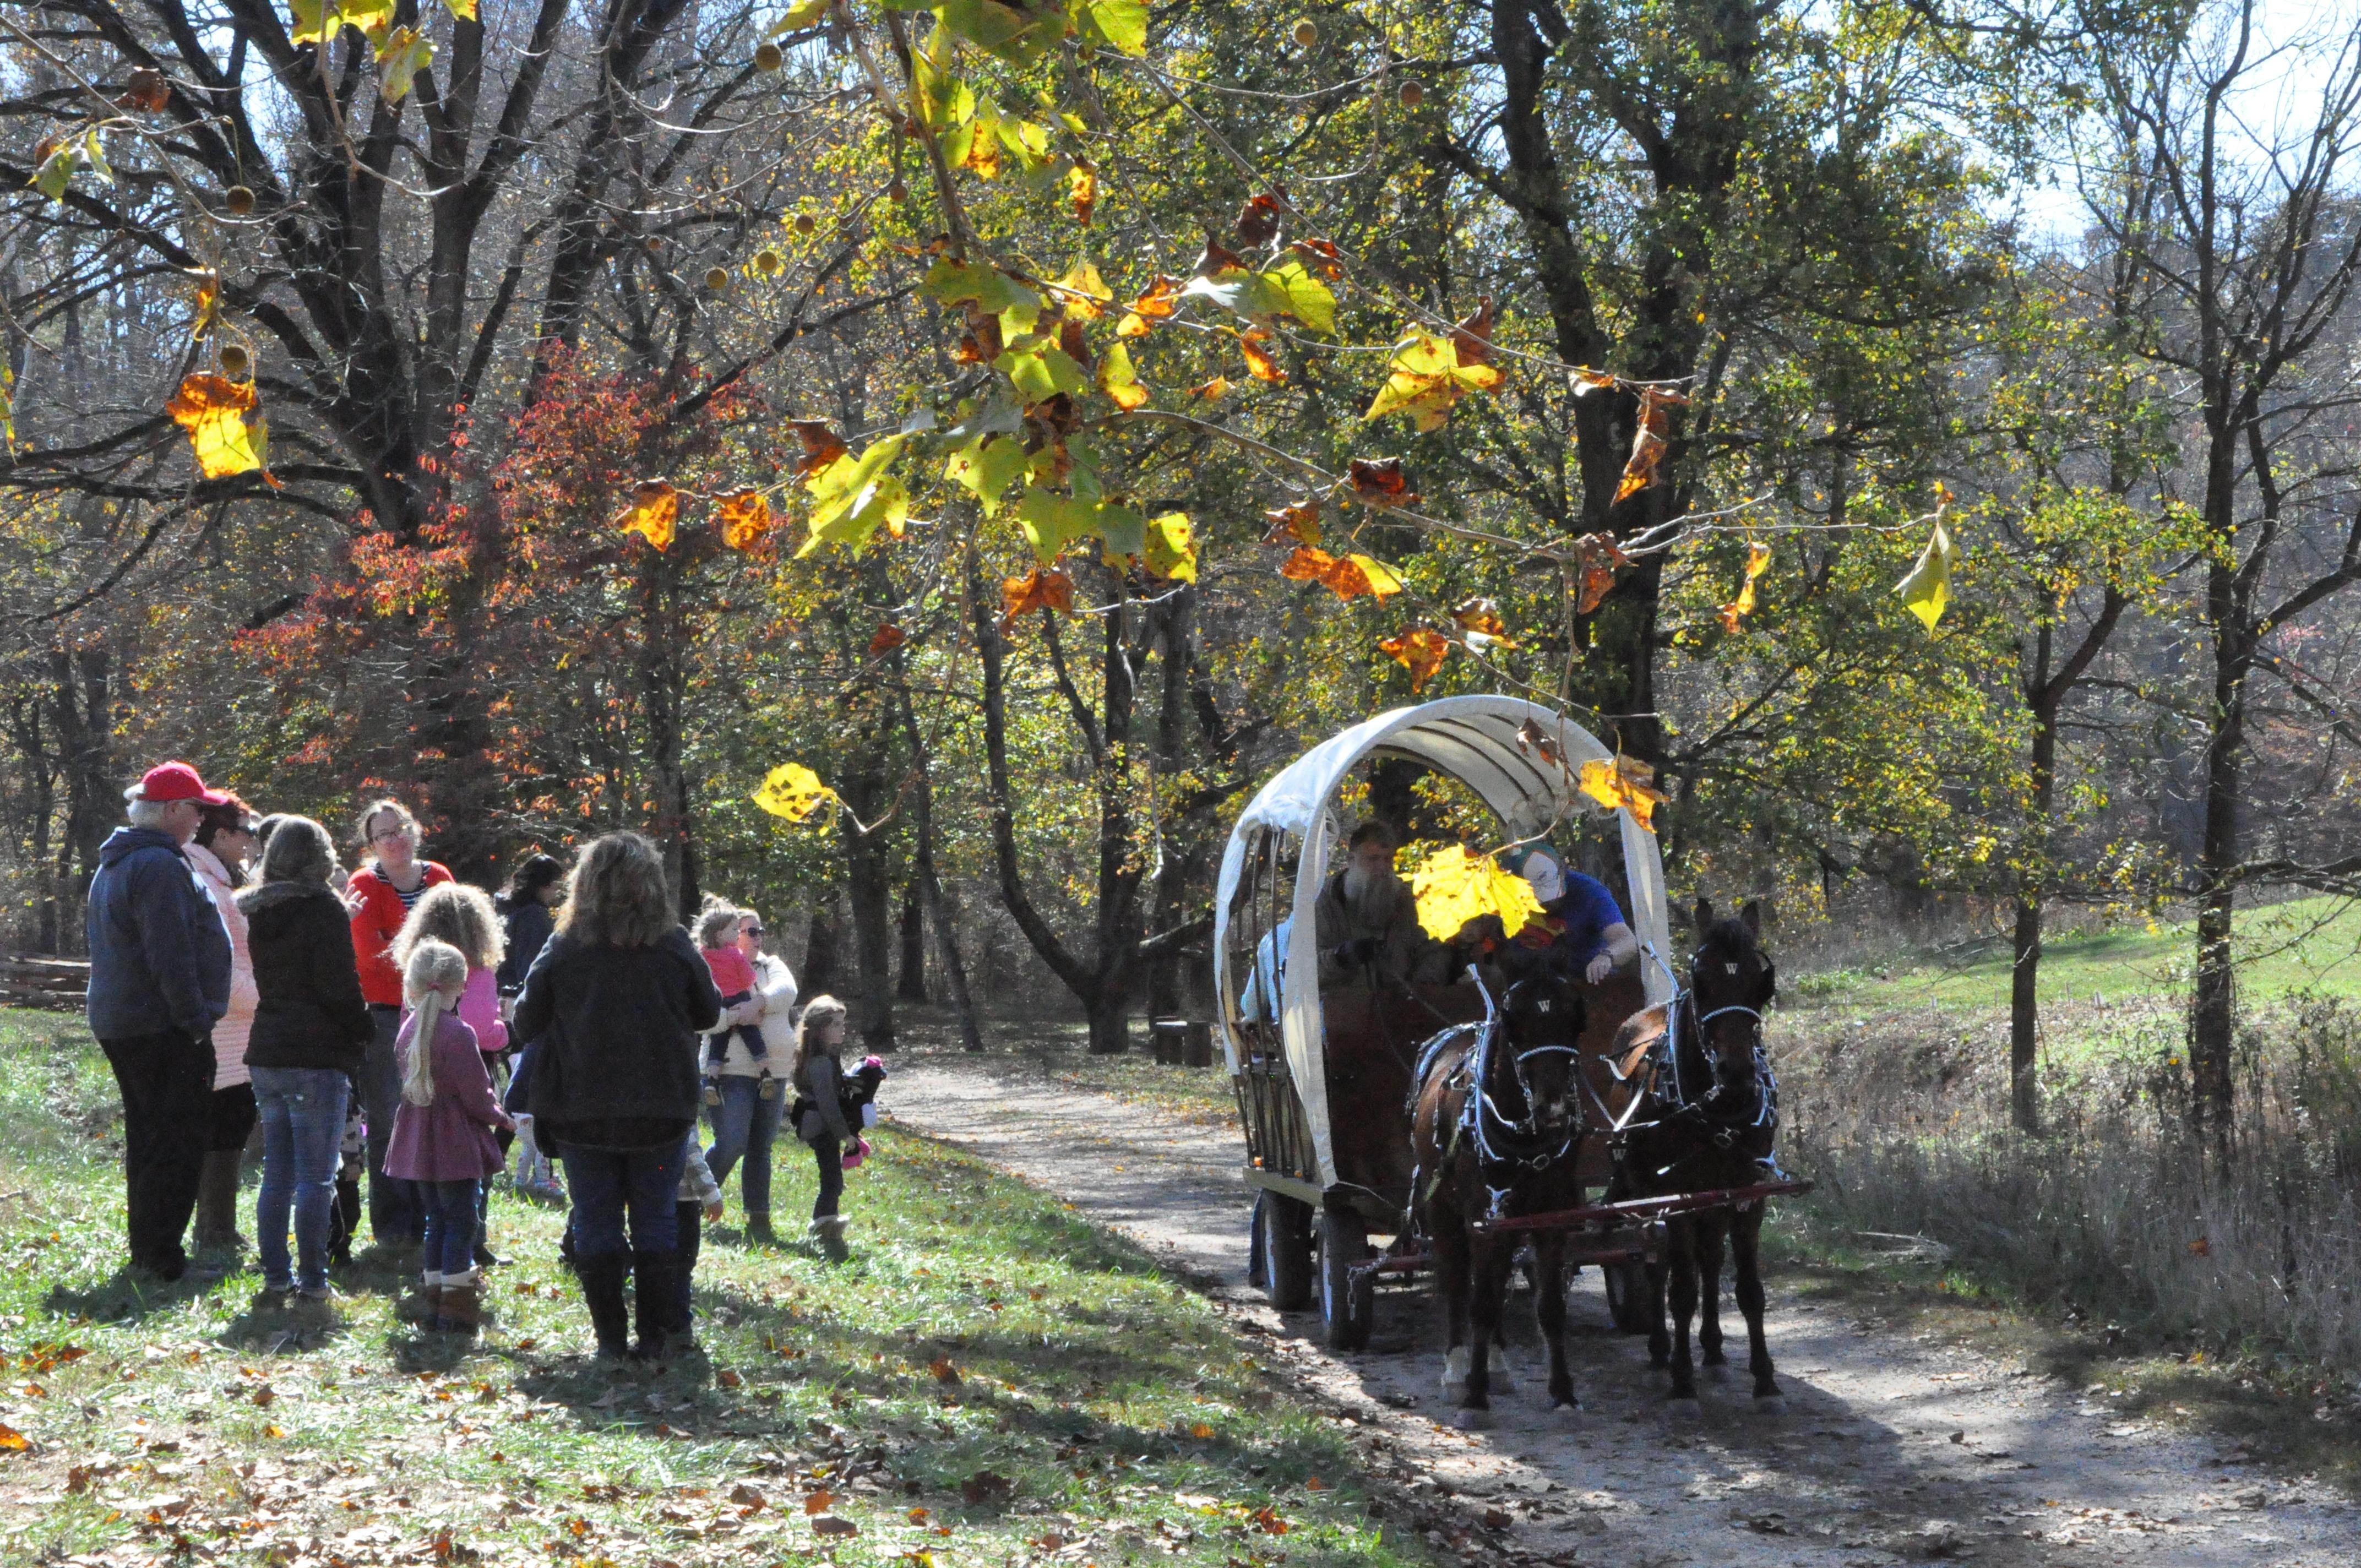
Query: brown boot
x=216, y=1216
x=421, y=1301
x=460, y=1308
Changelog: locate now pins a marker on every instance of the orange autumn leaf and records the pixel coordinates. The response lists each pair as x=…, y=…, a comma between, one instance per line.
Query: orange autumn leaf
x=1597, y=555
x=1213, y=391
x=1258, y=220
x=1532, y=737
x=219, y=415
x=1627, y=783
x=745, y=517
x=1587, y=380
x=1473, y=337
x=1379, y=482
x=1480, y=618
x=1038, y=589
x=1319, y=259
x=1083, y=189
x=1300, y=522
x=819, y=1502
x=13, y=1440
x=1420, y=651
x=1758, y=557
x=1258, y=343
x=1308, y=564
x=1650, y=440
x=889, y=637
x=1163, y=294
x=1346, y=577
x=655, y=512
x=822, y=446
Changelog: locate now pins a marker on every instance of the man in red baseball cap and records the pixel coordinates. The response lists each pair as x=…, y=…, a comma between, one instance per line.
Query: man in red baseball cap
x=159, y=969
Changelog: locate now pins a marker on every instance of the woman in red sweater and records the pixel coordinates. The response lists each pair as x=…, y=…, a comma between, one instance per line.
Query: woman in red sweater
x=381, y=896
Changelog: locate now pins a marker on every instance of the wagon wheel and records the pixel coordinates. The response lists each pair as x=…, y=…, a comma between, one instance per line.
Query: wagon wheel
x=1286, y=1226
x=1627, y=1296
x=1348, y=1304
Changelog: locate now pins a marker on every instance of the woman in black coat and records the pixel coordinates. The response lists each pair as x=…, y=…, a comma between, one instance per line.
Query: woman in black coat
x=310, y=1032
x=614, y=1006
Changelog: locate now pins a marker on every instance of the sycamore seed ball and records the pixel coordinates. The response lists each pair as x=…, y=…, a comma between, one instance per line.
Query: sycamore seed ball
x=770, y=261
x=898, y=191
x=719, y=278
x=1307, y=32
x=1412, y=94
x=768, y=56
x=240, y=198
x=804, y=223
x=234, y=361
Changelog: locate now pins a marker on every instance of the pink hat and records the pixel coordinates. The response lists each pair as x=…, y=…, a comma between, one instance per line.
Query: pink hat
x=176, y=780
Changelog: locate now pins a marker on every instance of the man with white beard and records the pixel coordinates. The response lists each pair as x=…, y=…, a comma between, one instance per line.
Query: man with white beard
x=1367, y=921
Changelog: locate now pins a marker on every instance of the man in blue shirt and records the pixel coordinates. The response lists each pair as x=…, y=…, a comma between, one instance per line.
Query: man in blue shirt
x=1596, y=937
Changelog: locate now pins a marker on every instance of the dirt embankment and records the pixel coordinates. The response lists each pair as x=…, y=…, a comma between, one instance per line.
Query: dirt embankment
x=1892, y=1448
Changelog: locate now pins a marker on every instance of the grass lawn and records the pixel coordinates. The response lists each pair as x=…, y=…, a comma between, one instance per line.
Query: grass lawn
x=1059, y=1051
x=2307, y=945
x=987, y=1381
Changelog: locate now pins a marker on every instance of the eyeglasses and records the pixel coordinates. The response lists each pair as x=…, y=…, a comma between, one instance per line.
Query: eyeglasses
x=750, y=930
x=388, y=836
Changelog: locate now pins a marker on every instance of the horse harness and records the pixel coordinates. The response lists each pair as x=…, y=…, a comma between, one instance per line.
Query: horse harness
x=1505, y=1147
x=1659, y=1080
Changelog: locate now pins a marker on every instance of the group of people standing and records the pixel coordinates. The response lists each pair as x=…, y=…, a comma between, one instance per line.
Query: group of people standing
x=238, y=974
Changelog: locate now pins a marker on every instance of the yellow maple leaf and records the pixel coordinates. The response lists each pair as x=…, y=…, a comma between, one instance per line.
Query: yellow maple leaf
x=1625, y=783
x=1171, y=547
x=655, y=512
x=745, y=517
x=792, y=791
x=219, y=416
x=1454, y=886
x=1427, y=379
x=1927, y=589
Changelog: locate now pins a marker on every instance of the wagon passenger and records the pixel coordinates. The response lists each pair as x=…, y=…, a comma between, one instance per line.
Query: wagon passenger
x=1591, y=933
x=1366, y=920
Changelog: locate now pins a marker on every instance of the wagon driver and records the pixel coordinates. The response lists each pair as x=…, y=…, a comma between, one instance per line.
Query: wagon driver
x=1367, y=919
x=1591, y=933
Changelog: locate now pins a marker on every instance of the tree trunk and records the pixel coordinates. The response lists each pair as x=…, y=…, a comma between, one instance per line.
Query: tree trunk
x=2025, y=1015
x=1110, y=1022
x=870, y=892
x=823, y=958
x=910, y=984
x=929, y=884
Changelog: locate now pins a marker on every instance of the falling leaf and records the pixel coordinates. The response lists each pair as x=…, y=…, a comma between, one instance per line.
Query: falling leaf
x=1649, y=440
x=745, y=518
x=1119, y=380
x=1598, y=556
x=1083, y=189
x=819, y=1502
x=1258, y=220
x=219, y=416
x=1155, y=305
x=837, y=1528
x=888, y=637
x=1300, y=521
x=1256, y=341
x=1758, y=557
x=1454, y=886
x=1213, y=391
x=1379, y=482
x=792, y=791
x=1171, y=547
x=1420, y=651
x=403, y=55
x=1040, y=588
x=1927, y=589
x=1428, y=375
x=653, y=514
x=1627, y=783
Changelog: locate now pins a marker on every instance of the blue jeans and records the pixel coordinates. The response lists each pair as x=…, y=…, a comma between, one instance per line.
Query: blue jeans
x=608, y=1184
x=302, y=1112
x=744, y=1126
x=450, y=1224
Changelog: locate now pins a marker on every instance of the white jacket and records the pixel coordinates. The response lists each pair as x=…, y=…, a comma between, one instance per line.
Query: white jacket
x=776, y=984
x=236, y=1024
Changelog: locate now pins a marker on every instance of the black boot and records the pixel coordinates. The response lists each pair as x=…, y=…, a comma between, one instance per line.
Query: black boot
x=602, y=1291
x=655, y=1287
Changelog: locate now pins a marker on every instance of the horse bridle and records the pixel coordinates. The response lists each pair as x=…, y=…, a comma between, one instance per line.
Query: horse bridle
x=1482, y=1109
x=1667, y=1061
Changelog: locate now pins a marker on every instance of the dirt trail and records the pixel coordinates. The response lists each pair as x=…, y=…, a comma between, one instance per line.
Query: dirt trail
x=1891, y=1449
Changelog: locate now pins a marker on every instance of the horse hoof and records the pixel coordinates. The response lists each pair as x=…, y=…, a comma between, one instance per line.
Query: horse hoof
x=1716, y=1371
x=1567, y=1406
x=1453, y=1391
x=1473, y=1420
x=1684, y=1408
x=1770, y=1404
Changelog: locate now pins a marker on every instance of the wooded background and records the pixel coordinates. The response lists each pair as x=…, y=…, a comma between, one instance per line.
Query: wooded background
x=539, y=300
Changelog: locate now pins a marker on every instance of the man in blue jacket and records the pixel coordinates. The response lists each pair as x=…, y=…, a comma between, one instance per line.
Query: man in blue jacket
x=159, y=961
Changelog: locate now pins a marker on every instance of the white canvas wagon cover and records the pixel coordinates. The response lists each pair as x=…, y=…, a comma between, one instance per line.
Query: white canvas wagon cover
x=1473, y=739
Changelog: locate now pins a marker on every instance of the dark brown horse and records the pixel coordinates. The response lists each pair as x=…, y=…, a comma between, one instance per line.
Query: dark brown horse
x=1495, y=1127
x=1708, y=1120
